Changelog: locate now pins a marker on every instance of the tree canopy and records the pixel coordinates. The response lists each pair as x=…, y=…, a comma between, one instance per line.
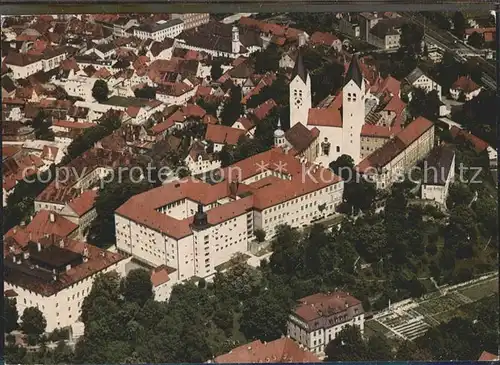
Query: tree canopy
x=33, y=322
x=11, y=316
x=100, y=91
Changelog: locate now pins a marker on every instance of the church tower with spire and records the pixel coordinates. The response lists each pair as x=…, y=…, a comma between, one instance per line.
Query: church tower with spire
x=300, y=91
x=353, y=110
x=279, y=136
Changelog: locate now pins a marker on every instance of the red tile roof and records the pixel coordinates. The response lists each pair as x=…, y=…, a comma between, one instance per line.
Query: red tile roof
x=209, y=119
x=41, y=226
x=133, y=111
x=283, y=350
x=486, y=356
x=84, y=202
x=330, y=117
x=478, y=143
x=98, y=260
x=323, y=38
x=160, y=275
x=222, y=134
x=465, y=84
x=318, y=305
x=143, y=208
x=193, y=110
x=266, y=80
x=371, y=130
x=72, y=125
x=203, y=90
x=382, y=156
x=9, y=151
x=264, y=109
x=414, y=130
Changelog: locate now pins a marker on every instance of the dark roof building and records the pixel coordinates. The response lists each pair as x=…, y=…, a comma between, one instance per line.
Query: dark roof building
x=438, y=165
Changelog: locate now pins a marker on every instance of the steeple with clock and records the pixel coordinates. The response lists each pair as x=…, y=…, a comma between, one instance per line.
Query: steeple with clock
x=300, y=93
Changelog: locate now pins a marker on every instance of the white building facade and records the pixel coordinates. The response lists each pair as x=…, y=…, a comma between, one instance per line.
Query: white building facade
x=319, y=318
x=192, y=227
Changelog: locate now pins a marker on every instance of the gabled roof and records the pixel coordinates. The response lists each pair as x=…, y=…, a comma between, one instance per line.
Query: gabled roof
x=283, y=350
x=354, y=72
x=300, y=137
x=414, y=75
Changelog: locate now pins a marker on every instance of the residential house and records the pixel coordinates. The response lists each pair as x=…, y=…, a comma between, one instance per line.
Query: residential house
x=221, y=135
x=464, y=88
x=418, y=79
x=199, y=160
x=318, y=319
x=326, y=39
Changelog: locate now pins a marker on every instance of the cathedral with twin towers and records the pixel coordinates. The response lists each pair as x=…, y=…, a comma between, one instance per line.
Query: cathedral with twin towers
x=365, y=114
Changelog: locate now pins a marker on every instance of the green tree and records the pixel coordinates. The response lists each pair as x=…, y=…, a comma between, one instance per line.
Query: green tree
x=100, y=91
x=409, y=351
x=379, y=349
x=137, y=287
x=232, y=109
x=343, y=166
x=461, y=232
x=459, y=194
x=33, y=322
x=41, y=124
x=265, y=316
x=145, y=92
x=411, y=39
x=110, y=197
x=11, y=315
x=425, y=104
x=260, y=235
x=486, y=210
x=476, y=40
x=267, y=59
x=459, y=24
x=216, y=70
x=348, y=345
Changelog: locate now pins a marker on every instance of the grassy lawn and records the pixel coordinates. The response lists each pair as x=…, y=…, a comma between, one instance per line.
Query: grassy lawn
x=481, y=290
x=373, y=327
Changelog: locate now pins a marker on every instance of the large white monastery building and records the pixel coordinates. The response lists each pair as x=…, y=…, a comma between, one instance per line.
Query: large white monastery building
x=192, y=226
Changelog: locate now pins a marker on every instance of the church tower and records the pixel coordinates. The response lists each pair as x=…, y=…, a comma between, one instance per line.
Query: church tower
x=353, y=110
x=300, y=93
x=279, y=136
x=235, y=40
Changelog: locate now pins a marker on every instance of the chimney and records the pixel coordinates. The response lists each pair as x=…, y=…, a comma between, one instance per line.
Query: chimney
x=52, y=217
x=68, y=267
x=39, y=246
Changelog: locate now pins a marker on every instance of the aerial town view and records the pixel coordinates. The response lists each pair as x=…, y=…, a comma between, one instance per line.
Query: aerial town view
x=249, y=187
